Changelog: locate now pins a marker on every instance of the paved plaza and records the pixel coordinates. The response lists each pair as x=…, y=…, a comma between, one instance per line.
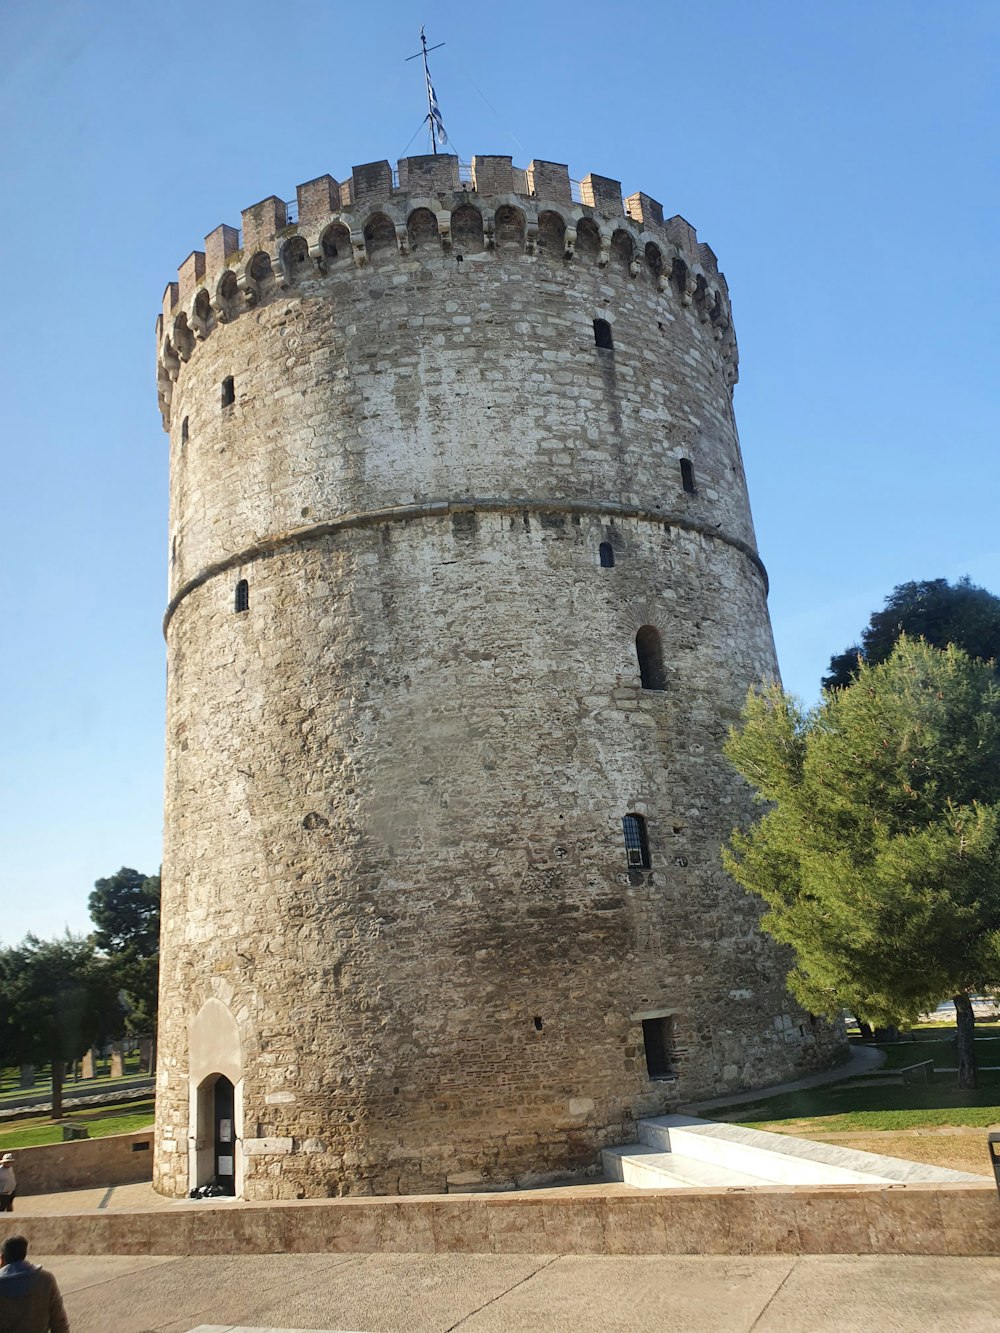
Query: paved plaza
x=418, y=1293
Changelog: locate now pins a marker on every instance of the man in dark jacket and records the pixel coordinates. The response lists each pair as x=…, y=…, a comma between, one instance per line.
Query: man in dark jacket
x=29, y=1298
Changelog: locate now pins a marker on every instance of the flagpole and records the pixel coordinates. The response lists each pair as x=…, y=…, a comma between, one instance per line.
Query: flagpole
x=427, y=83
x=433, y=114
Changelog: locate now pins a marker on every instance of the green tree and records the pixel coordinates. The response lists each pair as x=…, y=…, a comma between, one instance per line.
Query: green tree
x=57, y=999
x=935, y=610
x=878, y=855
x=125, y=910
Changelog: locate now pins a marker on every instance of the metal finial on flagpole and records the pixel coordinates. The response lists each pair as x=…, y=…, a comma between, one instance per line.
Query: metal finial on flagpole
x=433, y=116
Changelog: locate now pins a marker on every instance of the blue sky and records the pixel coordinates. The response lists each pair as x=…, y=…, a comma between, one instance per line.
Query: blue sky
x=839, y=158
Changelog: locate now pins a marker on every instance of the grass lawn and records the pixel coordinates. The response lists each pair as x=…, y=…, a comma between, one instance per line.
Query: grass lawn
x=10, y=1089
x=868, y=1103
x=100, y=1121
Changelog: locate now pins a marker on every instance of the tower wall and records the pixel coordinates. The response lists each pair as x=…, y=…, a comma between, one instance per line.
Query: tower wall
x=396, y=782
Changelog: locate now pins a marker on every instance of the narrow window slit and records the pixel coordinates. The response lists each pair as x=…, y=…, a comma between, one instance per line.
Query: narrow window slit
x=242, y=596
x=228, y=391
x=607, y=556
x=636, y=842
x=687, y=476
x=602, y=335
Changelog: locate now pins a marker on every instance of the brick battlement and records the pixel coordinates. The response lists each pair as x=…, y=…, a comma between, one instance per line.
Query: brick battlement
x=432, y=201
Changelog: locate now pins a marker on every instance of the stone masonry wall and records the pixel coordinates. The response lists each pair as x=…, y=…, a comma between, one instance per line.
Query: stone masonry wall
x=395, y=784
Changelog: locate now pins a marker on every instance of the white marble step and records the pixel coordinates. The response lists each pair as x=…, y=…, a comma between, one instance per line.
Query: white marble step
x=648, y=1168
x=782, y=1158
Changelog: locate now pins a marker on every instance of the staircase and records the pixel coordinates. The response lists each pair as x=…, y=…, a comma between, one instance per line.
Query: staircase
x=685, y=1152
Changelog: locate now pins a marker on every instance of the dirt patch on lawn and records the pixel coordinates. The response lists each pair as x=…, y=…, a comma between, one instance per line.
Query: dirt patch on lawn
x=961, y=1149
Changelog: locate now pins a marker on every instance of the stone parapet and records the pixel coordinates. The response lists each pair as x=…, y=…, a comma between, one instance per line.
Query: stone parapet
x=116, y=1159
x=903, y=1220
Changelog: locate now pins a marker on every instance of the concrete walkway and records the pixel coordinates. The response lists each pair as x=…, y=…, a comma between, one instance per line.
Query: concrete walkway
x=863, y=1060
x=540, y=1293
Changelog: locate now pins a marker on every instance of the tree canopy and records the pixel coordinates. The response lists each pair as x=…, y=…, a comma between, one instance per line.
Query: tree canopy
x=125, y=909
x=57, y=999
x=935, y=610
x=879, y=853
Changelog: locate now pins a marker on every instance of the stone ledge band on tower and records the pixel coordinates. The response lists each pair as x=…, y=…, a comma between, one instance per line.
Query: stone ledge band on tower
x=431, y=508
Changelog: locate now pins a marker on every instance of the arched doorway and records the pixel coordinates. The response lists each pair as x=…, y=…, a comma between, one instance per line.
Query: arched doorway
x=225, y=1134
x=216, y=1082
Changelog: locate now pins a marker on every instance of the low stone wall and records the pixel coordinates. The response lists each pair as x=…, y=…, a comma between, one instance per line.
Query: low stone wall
x=118, y=1159
x=900, y=1219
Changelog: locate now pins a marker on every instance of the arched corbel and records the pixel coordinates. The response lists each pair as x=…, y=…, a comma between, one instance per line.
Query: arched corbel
x=569, y=239
x=604, y=255
x=170, y=360
x=530, y=235
x=317, y=256
x=489, y=229
x=247, y=287
x=444, y=228
x=358, y=247
x=402, y=238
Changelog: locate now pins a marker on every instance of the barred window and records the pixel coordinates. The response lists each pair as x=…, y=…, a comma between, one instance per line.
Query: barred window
x=243, y=595
x=636, y=843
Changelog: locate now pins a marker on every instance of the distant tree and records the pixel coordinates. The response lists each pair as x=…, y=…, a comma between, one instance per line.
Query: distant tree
x=935, y=610
x=125, y=910
x=879, y=852
x=57, y=999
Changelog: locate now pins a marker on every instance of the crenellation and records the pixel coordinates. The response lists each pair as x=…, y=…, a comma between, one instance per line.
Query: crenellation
x=429, y=174
x=644, y=209
x=493, y=175
x=219, y=246
x=262, y=222
x=370, y=182
x=706, y=256
x=603, y=194
x=317, y=199
x=190, y=275
x=171, y=293
x=680, y=231
x=550, y=180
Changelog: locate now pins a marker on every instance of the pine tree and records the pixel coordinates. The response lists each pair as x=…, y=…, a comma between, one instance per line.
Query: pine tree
x=879, y=852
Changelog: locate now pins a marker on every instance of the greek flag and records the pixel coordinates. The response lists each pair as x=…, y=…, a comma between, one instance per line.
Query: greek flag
x=435, y=110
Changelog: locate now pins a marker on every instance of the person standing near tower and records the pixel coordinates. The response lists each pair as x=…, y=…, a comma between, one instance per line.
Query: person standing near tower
x=8, y=1183
x=29, y=1296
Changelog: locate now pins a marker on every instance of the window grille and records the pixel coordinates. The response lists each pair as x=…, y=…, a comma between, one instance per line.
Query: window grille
x=636, y=843
x=243, y=595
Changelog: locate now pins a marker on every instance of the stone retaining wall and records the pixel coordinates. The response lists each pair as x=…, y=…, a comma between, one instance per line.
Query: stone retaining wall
x=117, y=1159
x=910, y=1219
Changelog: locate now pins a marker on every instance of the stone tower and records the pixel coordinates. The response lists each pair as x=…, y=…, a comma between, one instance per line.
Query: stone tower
x=463, y=597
